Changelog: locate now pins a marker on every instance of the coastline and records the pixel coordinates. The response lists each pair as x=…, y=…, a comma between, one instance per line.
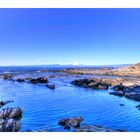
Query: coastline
x=89, y=78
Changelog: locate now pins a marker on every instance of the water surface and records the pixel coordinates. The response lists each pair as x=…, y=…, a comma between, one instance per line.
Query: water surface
x=43, y=108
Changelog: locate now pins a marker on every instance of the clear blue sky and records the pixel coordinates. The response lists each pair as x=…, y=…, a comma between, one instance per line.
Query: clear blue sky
x=69, y=36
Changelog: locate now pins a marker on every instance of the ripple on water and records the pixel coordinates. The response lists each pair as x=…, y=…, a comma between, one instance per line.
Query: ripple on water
x=43, y=108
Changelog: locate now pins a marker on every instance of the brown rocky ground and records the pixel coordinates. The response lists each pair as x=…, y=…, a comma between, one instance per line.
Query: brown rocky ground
x=131, y=71
x=94, y=71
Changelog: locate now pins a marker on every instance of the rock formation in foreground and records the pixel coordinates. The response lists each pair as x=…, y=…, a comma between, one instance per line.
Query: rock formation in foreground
x=10, y=119
x=75, y=124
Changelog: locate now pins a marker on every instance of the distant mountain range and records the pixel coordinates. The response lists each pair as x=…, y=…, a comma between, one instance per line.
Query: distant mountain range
x=69, y=65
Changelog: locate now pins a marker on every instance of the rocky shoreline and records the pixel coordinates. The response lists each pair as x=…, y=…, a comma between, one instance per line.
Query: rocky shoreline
x=128, y=88
x=127, y=71
x=90, y=71
x=126, y=85
x=39, y=80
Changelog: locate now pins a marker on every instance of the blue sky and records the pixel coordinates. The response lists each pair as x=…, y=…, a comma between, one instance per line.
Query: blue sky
x=69, y=36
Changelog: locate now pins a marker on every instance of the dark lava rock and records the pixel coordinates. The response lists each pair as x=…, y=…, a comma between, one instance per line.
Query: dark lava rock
x=9, y=125
x=20, y=80
x=95, y=128
x=90, y=83
x=74, y=122
x=10, y=113
x=117, y=93
x=7, y=77
x=38, y=80
x=118, y=87
x=50, y=86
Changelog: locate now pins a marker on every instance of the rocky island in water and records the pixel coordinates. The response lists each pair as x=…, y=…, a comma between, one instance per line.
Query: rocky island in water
x=85, y=99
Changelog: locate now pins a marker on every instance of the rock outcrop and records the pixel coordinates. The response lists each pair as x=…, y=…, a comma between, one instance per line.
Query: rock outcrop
x=20, y=80
x=38, y=80
x=131, y=92
x=73, y=122
x=10, y=113
x=133, y=70
x=133, y=95
x=10, y=119
x=91, y=83
x=99, y=83
x=9, y=125
x=118, y=87
x=127, y=87
x=7, y=77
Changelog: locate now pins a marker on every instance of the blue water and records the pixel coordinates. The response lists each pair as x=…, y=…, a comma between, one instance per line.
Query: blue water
x=43, y=108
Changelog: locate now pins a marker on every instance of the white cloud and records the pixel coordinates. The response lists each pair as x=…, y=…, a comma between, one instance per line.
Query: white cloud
x=38, y=61
x=76, y=63
x=59, y=62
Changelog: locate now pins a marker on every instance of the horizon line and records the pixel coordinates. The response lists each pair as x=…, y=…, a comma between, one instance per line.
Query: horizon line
x=62, y=65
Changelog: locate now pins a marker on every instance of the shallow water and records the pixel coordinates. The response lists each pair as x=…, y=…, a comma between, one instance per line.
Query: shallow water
x=43, y=108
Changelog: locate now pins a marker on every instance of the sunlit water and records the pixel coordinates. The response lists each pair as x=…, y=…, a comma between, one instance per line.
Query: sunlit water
x=43, y=108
